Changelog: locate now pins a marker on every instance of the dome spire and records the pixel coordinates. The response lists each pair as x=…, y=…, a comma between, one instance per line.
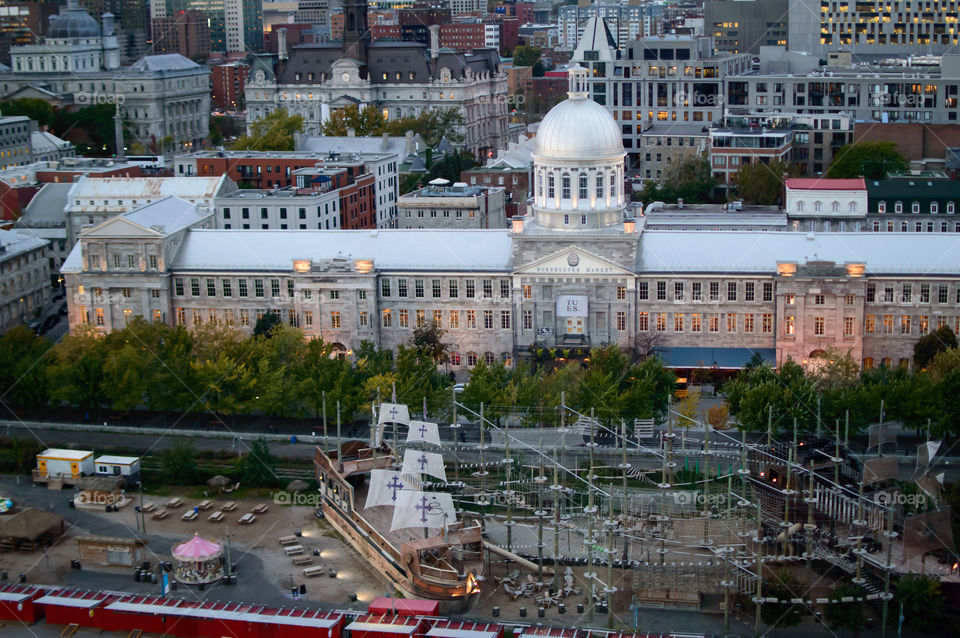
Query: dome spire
x=577, y=79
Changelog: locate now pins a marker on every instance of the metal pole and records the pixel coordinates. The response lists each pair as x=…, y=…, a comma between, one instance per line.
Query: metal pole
x=770, y=425
x=846, y=430
x=556, y=524
x=229, y=564
x=324, y=395
x=339, y=459
x=886, y=576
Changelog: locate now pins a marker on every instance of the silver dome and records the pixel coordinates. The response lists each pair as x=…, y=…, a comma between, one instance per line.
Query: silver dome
x=73, y=22
x=578, y=129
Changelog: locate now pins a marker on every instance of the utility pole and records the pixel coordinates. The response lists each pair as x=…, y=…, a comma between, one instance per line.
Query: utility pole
x=556, y=487
x=540, y=513
x=324, y=399
x=887, y=568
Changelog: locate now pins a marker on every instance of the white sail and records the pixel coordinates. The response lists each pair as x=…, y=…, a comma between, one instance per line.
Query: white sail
x=433, y=510
x=384, y=487
x=391, y=413
x=416, y=462
x=423, y=432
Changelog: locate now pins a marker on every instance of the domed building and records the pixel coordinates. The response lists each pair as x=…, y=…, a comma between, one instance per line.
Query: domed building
x=578, y=163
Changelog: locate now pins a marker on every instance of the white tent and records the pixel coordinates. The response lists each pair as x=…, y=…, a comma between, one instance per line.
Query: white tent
x=423, y=432
x=433, y=510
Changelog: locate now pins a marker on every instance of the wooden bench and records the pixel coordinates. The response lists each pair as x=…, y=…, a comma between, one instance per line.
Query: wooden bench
x=160, y=515
x=229, y=506
x=205, y=505
x=293, y=550
x=189, y=515
x=316, y=570
x=149, y=507
x=216, y=517
x=302, y=560
x=247, y=519
x=287, y=540
x=259, y=509
x=175, y=502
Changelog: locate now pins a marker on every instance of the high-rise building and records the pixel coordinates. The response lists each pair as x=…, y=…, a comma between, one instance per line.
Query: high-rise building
x=236, y=26
x=743, y=26
x=186, y=33
x=132, y=18
x=227, y=82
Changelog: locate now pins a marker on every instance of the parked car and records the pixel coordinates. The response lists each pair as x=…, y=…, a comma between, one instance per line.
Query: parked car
x=459, y=387
x=50, y=322
x=36, y=324
x=63, y=308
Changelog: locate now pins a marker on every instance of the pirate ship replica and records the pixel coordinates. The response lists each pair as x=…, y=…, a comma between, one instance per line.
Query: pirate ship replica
x=381, y=508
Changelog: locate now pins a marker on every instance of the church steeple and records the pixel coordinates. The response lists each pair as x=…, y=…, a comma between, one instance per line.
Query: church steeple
x=356, y=33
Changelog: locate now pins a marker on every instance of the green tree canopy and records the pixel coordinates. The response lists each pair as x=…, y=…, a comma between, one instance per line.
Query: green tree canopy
x=33, y=107
x=258, y=466
x=690, y=180
x=272, y=133
x=872, y=160
x=178, y=463
x=931, y=344
x=364, y=122
x=759, y=183
x=922, y=600
x=265, y=324
x=845, y=616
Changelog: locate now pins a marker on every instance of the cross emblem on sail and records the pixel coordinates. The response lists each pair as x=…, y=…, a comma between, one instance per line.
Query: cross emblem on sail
x=433, y=510
x=385, y=485
x=391, y=413
x=416, y=462
x=423, y=432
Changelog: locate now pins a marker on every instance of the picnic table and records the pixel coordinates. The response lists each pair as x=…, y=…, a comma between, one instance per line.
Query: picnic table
x=260, y=508
x=287, y=540
x=293, y=550
x=247, y=519
x=205, y=505
x=149, y=507
x=302, y=560
x=316, y=570
x=175, y=502
x=189, y=515
x=216, y=517
x=159, y=515
x=229, y=506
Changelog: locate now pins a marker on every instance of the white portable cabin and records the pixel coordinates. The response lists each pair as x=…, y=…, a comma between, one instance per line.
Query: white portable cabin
x=60, y=463
x=125, y=466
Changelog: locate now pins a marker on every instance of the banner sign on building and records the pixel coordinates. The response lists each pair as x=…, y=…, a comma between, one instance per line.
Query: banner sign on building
x=572, y=306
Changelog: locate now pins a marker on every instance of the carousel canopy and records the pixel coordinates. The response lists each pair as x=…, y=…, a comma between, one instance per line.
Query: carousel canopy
x=196, y=548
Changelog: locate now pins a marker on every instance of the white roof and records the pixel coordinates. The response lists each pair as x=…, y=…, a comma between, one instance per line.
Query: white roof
x=17, y=242
x=117, y=460
x=383, y=627
x=16, y=596
x=447, y=632
x=746, y=251
x=167, y=215
x=74, y=455
x=225, y=614
x=271, y=250
x=44, y=142
x=164, y=62
x=66, y=601
x=145, y=188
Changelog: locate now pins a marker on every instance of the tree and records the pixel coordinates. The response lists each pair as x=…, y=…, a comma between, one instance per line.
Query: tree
x=783, y=585
x=718, y=416
x=89, y=128
x=24, y=358
x=258, y=466
x=428, y=341
x=931, y=344
x=690, y=180
x=845, y=615
x=872, y=160
x=364, y=122
x=273, y=133
x=759, y=183
x=922, y=600
x=432, y=125
x=177, y=463
x=690, y=409
x=265, y=324
x=36, y=109
x=525, y=56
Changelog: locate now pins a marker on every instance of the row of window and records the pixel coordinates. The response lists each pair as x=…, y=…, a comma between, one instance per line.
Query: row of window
x=489, y=320
x=211, y=287
x=698, y=322
x=915, y=207
x=471, y=359
x=909, y=293
x=918, y=226
x=713, y=291
x=265, y=212
x=417, y=288
x=128, y=261
x=904, y=324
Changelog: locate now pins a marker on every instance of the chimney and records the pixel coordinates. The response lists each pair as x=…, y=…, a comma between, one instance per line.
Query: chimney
x=409, y=142
x=282, y=44
x=297, y=140
x=351, y=132
x=434, y=41
x=386, y=141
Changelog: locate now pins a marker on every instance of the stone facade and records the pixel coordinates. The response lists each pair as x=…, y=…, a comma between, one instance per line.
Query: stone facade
x=457, y=206
x=24, y=277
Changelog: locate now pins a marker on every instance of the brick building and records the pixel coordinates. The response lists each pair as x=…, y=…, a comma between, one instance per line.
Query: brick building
x=228, y=81
x=186, y=33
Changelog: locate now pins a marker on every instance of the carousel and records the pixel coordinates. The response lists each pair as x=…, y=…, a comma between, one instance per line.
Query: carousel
x=198, y=561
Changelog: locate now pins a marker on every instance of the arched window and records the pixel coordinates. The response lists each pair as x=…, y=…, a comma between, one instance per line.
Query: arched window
x=898, y=207
x=817, y=206
x=853, y=207
x=950, y=208
x=915, y=207
x=471, y=359
x=881, y=207
x=799, y=205
x=934, y=208
x=835, y=207
x=454, y=358
x=489, y=358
